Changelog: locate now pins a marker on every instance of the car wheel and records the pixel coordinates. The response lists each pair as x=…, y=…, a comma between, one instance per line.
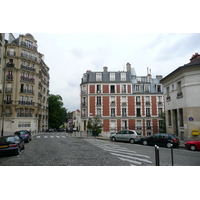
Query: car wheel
x=144, y=142
x=132, y=141
x=169, y=145
x=113, y=139
x=193, y=147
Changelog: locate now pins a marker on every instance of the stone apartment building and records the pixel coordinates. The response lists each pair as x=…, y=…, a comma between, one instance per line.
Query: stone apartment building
x=25, y=86
x=122, y=100
x=182, y=100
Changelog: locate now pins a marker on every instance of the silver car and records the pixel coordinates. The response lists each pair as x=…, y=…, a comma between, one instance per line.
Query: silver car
x=131, y=136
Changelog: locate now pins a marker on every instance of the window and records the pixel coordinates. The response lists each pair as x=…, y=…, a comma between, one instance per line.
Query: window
x=112, y=89
x=112, y=125
x=179, y=90
x=138, y=100
x=98, y=112
x=181, y=117
x=123, y=88
x=98, y=100
x=112, y=76
x=11, y=52
x=28, y=43
x=148, y=114
x=98, y=88
x=123, y=112
x=148, y=124
x=169, y=118
x=83, y=101
x=139, y=125
x=124, y=124
x=98, y=77
x=123, y=76
x=84, y=77
x=137, y=88
x=138, y=112
x=112, y=112
x=146, y=88
x=160, y=111
x=158, y=88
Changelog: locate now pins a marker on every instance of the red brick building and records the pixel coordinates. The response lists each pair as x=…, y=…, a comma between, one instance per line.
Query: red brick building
x=122, y=100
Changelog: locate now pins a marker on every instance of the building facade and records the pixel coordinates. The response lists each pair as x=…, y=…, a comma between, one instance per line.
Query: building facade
x=25, y=86
x=182, y=102
x=122, y=100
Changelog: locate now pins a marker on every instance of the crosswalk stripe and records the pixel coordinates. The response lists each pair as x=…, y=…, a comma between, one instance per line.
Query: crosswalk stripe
x=38, y=136
x=132, y=161
x=134, y=158
x=45, y=136
x=52, y=136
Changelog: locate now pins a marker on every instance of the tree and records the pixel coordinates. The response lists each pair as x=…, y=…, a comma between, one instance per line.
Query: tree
x=57, y=113
x=95, y=125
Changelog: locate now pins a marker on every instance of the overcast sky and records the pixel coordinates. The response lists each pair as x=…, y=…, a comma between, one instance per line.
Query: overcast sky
x=76, y=36
x=69, y=55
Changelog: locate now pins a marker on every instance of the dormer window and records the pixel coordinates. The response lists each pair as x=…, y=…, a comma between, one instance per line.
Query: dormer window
x=123, y=76
x=112, y=76
x=98, y=77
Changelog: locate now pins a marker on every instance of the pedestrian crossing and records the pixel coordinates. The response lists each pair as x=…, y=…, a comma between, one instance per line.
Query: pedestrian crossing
x=50, y=136
x=122, y=153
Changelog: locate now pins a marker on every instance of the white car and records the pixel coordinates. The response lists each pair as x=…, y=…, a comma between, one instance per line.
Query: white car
x=131, y=136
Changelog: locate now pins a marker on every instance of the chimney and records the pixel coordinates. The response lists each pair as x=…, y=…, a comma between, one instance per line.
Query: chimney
x=105, y=69
x=194, y=57
x=128, y=66
x=158, y=76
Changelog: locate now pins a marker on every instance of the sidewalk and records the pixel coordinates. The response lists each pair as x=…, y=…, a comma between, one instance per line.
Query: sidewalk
x=100, y=137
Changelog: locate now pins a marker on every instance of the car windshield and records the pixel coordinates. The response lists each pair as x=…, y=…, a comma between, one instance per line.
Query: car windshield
x=7, y=139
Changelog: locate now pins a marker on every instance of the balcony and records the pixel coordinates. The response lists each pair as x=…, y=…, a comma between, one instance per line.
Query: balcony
x=148, y=103
x=8, y=90
x=26, y=79
x=24, y=115
x=98, y=104
x=168, y=98
x=179, y=95
x=112, y=104
x=11, y=53
x=32, y=69
x=148, y=127
x=138, y=103
x=10, y=64
x=28, y=46
x=28, y=57
x=160, y=103
x=7, y=101
x=112, y=91
x=26, y=91
x=139, y=128
x=9, y=77
x=124, y=104
x=29, y=103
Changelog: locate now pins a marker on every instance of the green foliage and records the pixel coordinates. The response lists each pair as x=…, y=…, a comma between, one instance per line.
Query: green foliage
x=95, y=125
x=57, y=113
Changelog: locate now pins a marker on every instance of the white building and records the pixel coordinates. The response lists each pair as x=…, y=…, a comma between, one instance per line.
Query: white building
x=182, y=100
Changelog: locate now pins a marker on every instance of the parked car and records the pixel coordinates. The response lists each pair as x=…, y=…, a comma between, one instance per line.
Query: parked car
x=161, y=139
x=193, y=145
x=131, y=136
x=11, y=144
x=26, y=135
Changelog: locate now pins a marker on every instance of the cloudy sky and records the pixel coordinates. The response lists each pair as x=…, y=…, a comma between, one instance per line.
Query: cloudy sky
x=69, y=55
x=76, y=36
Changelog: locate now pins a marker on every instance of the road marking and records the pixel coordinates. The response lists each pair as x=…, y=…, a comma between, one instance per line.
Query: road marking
x=57, y=136
x=45, y=136
x=38, y=136
x=134, y=158
x=52, y=136
x=132, y=161
x=63, y=136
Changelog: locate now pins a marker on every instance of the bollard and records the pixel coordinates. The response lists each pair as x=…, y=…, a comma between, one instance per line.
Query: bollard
x=157, y=155
x=172, y=155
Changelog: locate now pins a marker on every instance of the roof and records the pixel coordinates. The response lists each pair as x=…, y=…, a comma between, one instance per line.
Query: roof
x=193, y=63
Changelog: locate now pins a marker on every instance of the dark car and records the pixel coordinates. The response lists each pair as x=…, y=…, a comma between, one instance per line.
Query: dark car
x=161, y=139
x=193, y=145
x=11, y=144
x=26, y=135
